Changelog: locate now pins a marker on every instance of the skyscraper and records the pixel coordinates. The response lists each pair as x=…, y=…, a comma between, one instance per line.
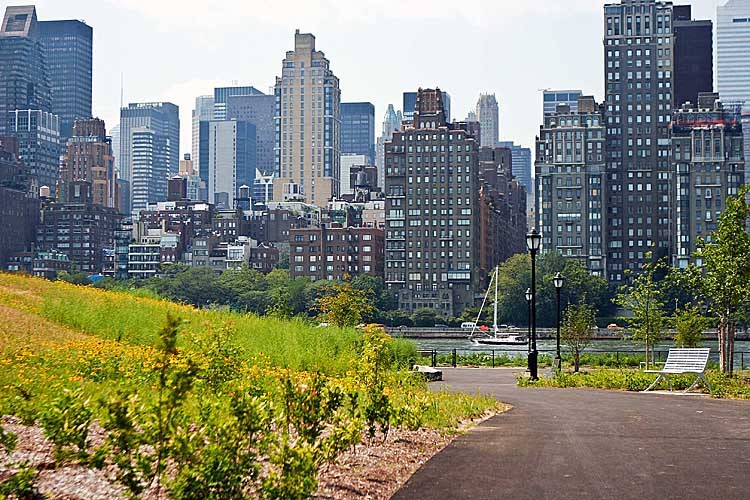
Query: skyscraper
x=432, y=229
x=231, y=160
x=410, y=101
x=733, y=60
x=308, y=124
x=570, y=179
x=733, y=51
x=391, y=123
x=693, y=56
x=358, y=129
x=257, y=109
x=24, y=79
x=488, y=116
x=68, y=48
x=88, y=157
x=639, y=75
x=222, y=95
x=149, y=153
x=203, y=112
x=707, y=156
x=551, y=98
x=38, y=134
x=521, y=164
x=158, y=125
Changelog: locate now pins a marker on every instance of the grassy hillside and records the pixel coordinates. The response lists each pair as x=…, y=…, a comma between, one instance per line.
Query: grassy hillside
x=107, y=315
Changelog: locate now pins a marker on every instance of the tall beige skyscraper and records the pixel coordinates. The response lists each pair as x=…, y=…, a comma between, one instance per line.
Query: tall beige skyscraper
x=489, y=120
x=307, y=146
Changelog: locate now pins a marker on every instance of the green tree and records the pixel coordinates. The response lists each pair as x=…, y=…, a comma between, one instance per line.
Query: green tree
x=346, y=307
x=515, y=278
x=577, y=329
x=689, y=326
x=725, y=277
x=425, y=317
x=644, y=298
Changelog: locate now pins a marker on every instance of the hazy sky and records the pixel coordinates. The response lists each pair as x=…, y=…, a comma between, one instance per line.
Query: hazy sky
x=175, y=50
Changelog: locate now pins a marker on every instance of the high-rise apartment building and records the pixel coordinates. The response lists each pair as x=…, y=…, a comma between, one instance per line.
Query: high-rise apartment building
x=410, y=100
x=488, y=116
x=551, y=98
x=149, y=162
x=391, y=123
x=308, y=125
x=348, y=163
x=222, y=95
x=570, y=183
x=203, y=112
x=707, y=156
x=358, y=129
x=733, y=60
x=693, y=56
x=38, y=135
x=733, y=51
x=257, y=109
x=24, y=79
x=640, y=85
x=68, y=49
x=88, y=157
x=521, y=164
x=432, y=230
x=231, y=160
x=161, y=122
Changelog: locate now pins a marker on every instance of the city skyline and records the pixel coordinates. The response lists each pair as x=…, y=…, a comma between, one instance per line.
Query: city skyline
x=193, y=59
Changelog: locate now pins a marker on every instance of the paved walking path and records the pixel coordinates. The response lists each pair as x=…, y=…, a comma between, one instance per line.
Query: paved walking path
x=590, y=444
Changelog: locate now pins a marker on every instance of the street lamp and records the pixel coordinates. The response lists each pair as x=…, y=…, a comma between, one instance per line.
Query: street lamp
x=528, y=322
x=533, y=242
x=558, y=280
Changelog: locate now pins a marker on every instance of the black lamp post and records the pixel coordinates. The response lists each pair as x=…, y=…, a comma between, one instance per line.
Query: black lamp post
x=528, y=304
x=558, y=281
x=533, y=242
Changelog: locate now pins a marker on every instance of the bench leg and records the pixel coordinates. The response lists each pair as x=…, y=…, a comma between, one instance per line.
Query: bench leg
x=699, y=378
x=655, y=382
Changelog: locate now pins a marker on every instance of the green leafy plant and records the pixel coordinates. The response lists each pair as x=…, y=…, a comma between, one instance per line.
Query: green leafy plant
x=66, y=421
x=577, y=329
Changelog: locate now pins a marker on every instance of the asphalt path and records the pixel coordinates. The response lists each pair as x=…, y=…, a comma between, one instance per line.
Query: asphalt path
x=589, y=444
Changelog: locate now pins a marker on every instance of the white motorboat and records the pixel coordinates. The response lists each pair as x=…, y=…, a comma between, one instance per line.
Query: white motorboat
x=494, y=336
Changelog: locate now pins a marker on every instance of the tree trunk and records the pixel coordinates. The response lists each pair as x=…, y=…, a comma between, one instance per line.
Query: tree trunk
x=576, y=360
x=730, y=348
x=647, y=356
x=722, y=345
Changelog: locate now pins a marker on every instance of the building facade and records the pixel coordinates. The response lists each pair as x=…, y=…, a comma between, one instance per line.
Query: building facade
x=391, y=123
x=88, y=157
x=432, y=231
x=570, y=184
x=349, y=162
x=693, y=56
x=231, y=160
x=79, y=228
x=488, y=116
x=202, y=113
x=707, y=155
x=161, y=121
x=38, y=134
x=308, y=125
x=24, y=79
x=358, y=129
x=257, y=109
x=68, y=46
x=222, y=96
x=551, y=98
x=336, y=253
x=639, y=75
x=409, y=102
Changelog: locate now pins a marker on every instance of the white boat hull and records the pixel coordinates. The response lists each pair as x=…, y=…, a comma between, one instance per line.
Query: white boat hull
x=499, y=341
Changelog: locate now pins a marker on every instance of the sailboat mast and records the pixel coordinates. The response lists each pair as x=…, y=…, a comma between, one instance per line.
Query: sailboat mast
x=494, y=326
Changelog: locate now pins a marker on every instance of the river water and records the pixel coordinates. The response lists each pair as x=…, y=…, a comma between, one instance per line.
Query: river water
x=464, y=346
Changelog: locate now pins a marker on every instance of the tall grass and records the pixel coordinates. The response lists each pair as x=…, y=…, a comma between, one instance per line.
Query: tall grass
x=292, y=343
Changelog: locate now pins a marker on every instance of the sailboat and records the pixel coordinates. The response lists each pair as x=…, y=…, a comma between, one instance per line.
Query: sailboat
x=494, y=336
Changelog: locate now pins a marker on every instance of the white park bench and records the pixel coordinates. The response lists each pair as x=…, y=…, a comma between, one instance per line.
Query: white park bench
x=684, y=361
